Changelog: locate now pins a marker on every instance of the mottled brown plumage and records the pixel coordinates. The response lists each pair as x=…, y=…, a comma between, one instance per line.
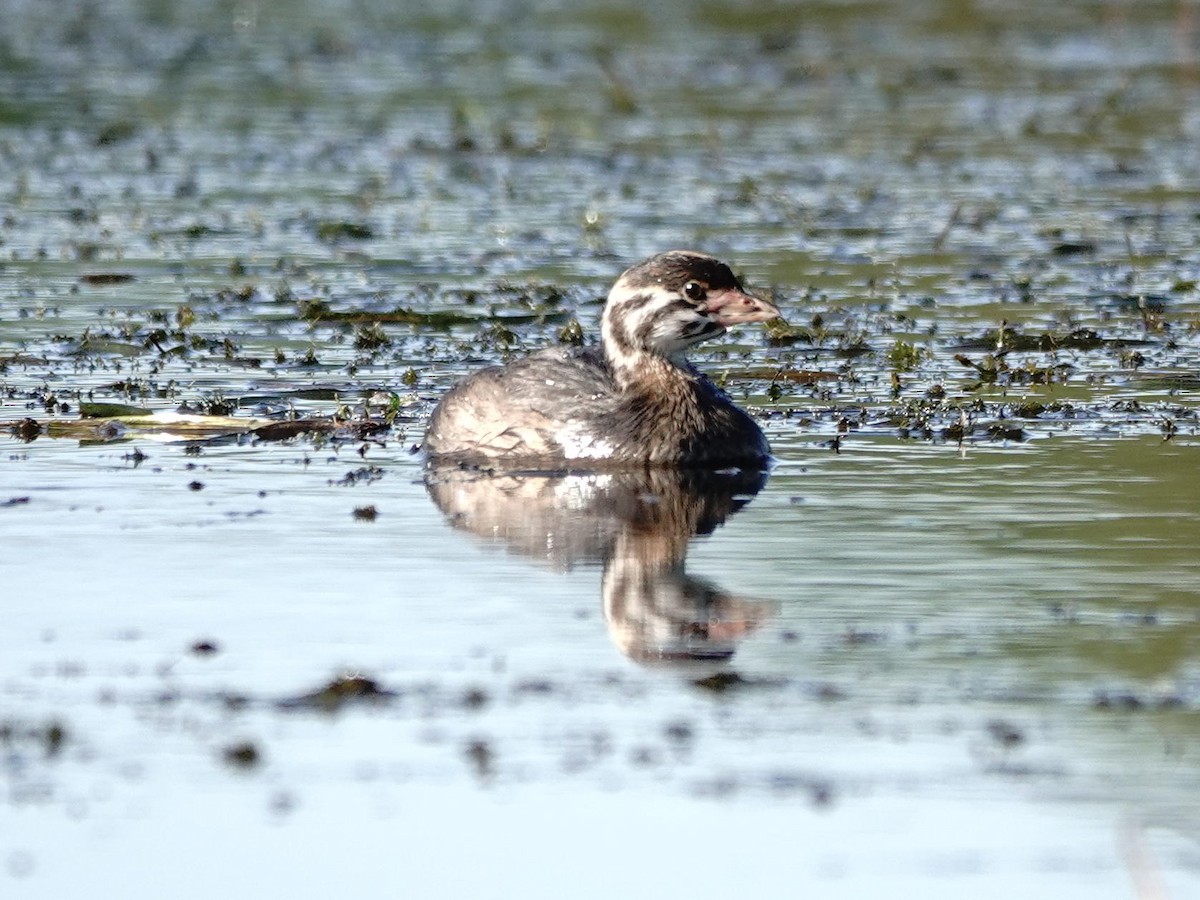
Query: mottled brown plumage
x=634, y=401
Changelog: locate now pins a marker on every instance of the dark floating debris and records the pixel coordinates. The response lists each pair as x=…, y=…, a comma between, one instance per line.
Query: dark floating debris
x=361, y=475
x=680, y=732
x=724, y=682
x=819, y=791
x=1130, y=701
x=25, y=429
x=242, y=755
x=1005, y=734
x=111, y=422
x=1008, y=338
x=475, y=698
x=1073, y=248
x=721, y=682
x=341, y=692
x=827, y=692
x=999, y=431
x=536, y=687
x=50, y=736
x=320, y=311
x=116, y=132
x=204, y=648
x=993, y=369
x=1135, y=303
x=858, y=637
x=332, y=232
x=482, y=757
x=103, y=278
x=285, y=431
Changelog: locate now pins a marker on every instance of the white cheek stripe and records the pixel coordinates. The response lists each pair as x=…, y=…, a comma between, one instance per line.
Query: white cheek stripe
x=671, y=331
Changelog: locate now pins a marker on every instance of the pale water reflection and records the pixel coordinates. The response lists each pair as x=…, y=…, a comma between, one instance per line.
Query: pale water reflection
x=636, y=525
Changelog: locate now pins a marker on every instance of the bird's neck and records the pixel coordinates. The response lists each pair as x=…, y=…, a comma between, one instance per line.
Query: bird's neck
x=642, y=371
x=630, y=332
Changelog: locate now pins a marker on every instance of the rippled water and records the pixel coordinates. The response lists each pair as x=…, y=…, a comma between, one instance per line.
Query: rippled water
x=952, y=645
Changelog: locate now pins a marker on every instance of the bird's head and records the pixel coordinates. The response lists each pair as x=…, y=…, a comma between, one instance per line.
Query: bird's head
x=673, y=300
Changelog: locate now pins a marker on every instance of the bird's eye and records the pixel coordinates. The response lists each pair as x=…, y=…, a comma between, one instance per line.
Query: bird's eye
x=694, y=291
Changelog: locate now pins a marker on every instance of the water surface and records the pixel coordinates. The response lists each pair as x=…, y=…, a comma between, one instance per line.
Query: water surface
x=952, y=645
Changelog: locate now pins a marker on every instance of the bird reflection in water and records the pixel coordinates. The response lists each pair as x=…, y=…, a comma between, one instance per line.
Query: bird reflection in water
x=635, y=524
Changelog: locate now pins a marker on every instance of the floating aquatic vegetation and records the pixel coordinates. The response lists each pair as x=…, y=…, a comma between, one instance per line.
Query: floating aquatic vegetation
x=337, y=694
x=332, y=232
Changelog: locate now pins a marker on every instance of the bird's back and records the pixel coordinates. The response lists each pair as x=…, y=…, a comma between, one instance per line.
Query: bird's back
x=562, y=407
x=543, y=407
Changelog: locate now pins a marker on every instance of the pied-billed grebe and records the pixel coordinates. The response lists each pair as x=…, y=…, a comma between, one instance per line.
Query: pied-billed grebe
x=634, y=401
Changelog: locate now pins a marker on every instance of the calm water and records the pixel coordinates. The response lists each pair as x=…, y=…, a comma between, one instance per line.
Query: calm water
x=950, y=647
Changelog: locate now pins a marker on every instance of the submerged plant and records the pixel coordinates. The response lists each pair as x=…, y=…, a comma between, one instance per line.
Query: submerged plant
x=371, y=337
x=904, y=356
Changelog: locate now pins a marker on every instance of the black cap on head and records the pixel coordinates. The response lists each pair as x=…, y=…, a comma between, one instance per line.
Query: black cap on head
x=675, y=268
